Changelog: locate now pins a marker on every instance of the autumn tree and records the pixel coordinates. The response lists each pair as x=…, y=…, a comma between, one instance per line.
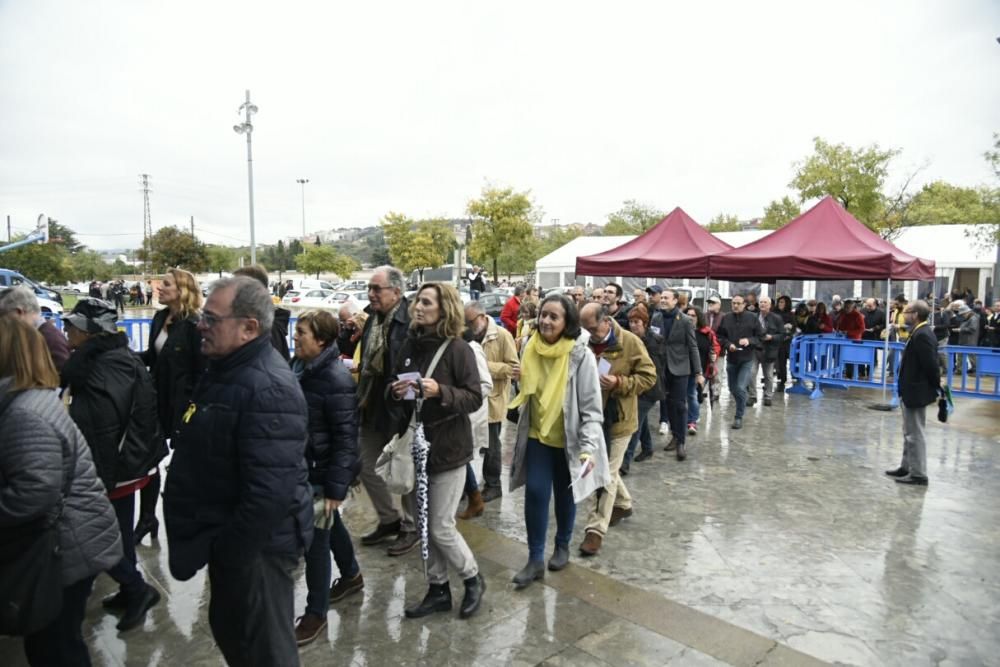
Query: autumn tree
x=987, y=235
x=415, y=246
x=316, y=259
x=501, y=216
x=779, y=213
x=632, y=218
x=723, y=223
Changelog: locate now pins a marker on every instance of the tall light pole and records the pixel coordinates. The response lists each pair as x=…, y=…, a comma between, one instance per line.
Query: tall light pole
x=302, y=182
x=246, y=128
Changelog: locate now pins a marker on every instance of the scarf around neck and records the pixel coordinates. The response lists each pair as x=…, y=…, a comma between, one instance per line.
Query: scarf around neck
x=545, y=375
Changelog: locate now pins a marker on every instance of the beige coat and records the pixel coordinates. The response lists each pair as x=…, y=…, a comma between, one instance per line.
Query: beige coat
x=636, y=372
x=501, y=355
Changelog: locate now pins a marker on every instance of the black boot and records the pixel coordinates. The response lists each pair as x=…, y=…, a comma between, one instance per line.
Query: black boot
x=148, y=525
x=681, y=451
x=533, y=571
x=474, y=589
x=136, y=608
x=438, y=598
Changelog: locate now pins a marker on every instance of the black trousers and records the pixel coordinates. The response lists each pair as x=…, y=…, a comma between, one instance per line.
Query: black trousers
x=61, y=641
x=677, y=387
x=252, y=610
x=492, y=460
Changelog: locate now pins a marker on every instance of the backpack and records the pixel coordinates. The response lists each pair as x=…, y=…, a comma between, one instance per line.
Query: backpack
x=142, y=445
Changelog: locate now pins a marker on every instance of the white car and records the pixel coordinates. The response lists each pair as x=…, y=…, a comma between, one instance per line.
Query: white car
x=312, y=298
x=47, y=306
x=338, y=299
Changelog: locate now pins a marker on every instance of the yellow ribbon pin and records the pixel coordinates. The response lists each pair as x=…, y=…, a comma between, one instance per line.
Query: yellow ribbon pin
x=189, y=413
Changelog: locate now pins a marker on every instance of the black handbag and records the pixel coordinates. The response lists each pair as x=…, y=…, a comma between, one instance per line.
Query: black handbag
x=31, y=588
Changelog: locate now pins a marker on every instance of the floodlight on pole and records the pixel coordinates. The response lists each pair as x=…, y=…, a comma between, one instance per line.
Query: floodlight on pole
x=302, y=182
x=246, y=128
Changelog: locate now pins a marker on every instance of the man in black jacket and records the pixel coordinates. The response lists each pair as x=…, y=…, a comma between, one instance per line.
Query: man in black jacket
x=381, y=340
x=237, y=495
x=739, y=334
x=919, y=380
x=765, y=355
x=279, y=328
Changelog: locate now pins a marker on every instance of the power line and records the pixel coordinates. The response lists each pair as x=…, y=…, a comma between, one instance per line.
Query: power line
x=147, y=222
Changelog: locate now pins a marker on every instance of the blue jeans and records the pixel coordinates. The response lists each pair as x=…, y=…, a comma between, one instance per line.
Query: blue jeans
x=738, y=375
x=471, y=485
x=318, y=570
x=642, y=435
x=125, y=571
x=547, y=474
x=694, y=409
x=474, y=293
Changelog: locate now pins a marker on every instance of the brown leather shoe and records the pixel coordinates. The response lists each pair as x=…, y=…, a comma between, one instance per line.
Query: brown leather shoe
x=617, y=514
x=308, y=628
x=591, y=544
x=474, y=508
x=404, y=544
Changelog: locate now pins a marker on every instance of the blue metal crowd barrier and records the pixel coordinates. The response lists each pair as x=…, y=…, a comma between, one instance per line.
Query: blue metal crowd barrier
x=137, y=330
x=831, y=360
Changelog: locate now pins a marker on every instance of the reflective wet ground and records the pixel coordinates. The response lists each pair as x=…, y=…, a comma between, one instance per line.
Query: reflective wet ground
x=778, y=544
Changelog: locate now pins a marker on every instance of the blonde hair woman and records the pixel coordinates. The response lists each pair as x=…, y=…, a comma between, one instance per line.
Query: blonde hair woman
x=451, y=393
x=174, y=358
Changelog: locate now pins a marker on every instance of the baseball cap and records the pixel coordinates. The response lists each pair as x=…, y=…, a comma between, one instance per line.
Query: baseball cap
x=654, y=289
x=93, y=316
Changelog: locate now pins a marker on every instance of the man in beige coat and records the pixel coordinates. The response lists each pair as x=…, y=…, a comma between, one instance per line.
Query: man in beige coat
x=625, y=371
x=501, y=356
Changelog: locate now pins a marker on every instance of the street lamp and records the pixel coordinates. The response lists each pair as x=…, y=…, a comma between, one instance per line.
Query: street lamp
x=246, y=128
x=302, y=182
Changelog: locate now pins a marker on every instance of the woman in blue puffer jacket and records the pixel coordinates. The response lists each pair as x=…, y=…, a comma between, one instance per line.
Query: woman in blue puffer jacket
x=332, y=457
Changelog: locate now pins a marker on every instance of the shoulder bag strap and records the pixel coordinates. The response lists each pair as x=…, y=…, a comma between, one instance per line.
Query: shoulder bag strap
x=430, y=371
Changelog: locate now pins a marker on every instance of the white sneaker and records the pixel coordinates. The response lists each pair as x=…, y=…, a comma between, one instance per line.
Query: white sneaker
x=664, y=428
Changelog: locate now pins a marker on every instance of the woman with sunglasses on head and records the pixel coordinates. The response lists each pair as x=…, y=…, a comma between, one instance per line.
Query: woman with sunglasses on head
x=175, y=361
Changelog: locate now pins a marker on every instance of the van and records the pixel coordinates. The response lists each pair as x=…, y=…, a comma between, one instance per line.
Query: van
x=11, y=278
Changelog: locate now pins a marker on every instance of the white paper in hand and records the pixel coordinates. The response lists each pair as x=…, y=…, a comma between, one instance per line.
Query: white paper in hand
x=603, y=366
x=411, y=393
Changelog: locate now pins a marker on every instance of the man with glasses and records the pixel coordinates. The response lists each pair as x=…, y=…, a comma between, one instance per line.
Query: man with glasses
x=739, y=334
x=237, y=495
x=501, y=357
x=381, y=339
x=919, y=380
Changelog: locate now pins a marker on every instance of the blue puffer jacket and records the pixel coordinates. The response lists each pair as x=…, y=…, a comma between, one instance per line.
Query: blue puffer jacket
x=238, y=484
x=332, y=450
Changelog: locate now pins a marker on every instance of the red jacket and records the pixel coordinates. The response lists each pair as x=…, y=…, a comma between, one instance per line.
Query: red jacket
x=511, y=311
x=852, y=324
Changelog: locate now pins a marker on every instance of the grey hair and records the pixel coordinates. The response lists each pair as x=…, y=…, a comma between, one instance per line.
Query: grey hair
x=250, y=299
x=394, y=276
x=352, y=307
x=477, y=307
x=920, y=309
x=18, y=298
x=518, y=290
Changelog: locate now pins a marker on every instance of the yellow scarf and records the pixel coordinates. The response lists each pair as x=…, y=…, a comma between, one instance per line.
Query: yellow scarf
x=544, y=376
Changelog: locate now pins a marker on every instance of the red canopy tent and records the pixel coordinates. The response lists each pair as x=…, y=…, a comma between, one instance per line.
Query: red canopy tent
x=676, y=246
x=826, y=242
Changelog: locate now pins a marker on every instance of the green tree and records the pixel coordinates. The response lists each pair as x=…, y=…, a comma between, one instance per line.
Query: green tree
x=724, y=223
x=317, y=259
x=43, y=262
x=62, y=235
x=779, y=213
x=397, y=230
x=120, y=268
x=554, y=239
x=941, y=203
x=88, y=265
x=856, y=178
x=501, y=216
x=519, y=256
x=172, y=246
x=632, y=218
x=442, y=237
x=294, y=248
x=417, y=246
x=220, y=258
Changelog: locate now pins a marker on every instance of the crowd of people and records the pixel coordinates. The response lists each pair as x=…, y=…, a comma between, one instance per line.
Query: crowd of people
x=266, y=447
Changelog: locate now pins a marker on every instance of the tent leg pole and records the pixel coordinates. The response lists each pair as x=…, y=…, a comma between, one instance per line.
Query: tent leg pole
x=704, y=298
x=885, y=406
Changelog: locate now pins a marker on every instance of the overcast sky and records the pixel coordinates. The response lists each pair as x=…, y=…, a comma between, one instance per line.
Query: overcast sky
x=414, y=106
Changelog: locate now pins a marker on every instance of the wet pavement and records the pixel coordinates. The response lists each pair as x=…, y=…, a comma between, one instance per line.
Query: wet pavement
x=782, y=543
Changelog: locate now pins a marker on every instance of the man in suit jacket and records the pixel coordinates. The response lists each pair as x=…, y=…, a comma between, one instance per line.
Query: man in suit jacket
x=767, y=354
x=919, y=380
x=682, y=360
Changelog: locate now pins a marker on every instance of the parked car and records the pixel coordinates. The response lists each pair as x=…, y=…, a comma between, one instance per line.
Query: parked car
x=47, y=306
x=353, y=286
x=313, y=298
x=493, y=304
x=339, y=298
x=10, y=278
x=311, y=283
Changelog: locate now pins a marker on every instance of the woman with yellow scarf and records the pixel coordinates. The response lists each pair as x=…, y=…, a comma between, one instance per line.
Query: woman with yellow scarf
x=560, y=440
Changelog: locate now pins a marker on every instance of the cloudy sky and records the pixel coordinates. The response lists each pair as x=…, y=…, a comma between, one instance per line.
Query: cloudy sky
x=414, y=106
